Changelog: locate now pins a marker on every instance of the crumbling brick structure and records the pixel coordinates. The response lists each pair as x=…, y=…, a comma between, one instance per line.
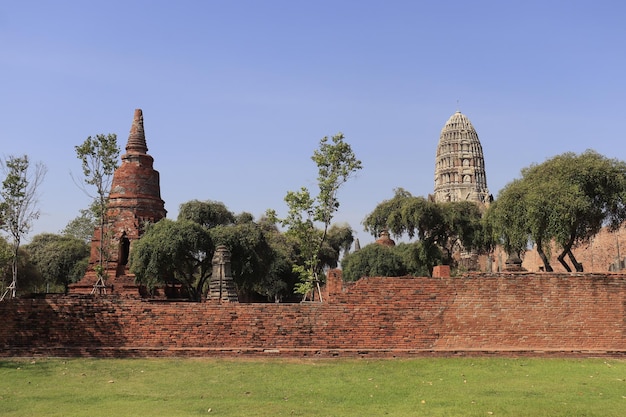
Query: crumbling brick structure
x=134, y=201
x=522, y=314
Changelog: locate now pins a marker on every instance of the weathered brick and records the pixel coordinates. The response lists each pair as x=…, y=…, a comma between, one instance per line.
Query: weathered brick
x=521, y=314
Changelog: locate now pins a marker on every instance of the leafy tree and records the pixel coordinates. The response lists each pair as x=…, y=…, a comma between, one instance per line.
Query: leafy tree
x=339, y=240
x=373, y=260
x=565, y=200
x=257, y=252
x=174, y=250
x=6, y=255
x=31, y=280
x=438, y=226
x=376, y=260
x=60, y=260
x=336, y=164
x=280, y=279
x=251, y=254
x=19, y=205
x=99, y=158
x=82, y=226
x=206, y=213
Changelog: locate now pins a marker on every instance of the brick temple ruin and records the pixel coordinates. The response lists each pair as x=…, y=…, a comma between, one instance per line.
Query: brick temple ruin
x=134, y=201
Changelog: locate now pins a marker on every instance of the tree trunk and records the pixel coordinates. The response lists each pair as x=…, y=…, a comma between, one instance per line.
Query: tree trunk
x=561, y=259
x=577, y=266
x=567, y=250
x=544, y=258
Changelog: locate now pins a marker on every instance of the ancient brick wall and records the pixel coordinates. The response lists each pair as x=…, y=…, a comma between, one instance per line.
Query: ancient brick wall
x=522, y=314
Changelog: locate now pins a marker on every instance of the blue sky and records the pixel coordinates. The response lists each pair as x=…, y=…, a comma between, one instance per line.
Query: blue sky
x=237, y=94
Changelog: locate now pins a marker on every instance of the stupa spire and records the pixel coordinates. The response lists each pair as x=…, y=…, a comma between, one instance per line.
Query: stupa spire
x=460, y=164
x=137, y=137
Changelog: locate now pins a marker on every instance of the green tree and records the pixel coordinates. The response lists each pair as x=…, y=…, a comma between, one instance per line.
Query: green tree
x=280, y=279
x=376, y=260
x=373, y=260
x=19, y=205
x=438, y=226
x=336, y=163
x=60, y=260
x=6, y=254
x=565, y=200
x=99, y=159
x=338, y=241
x=174, y=250
x=82, y=226
x=257, y=252
x=251, y=254
x=31, y=280
x=206, y=213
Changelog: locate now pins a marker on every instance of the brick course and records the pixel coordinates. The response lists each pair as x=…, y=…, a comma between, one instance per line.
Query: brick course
x=521, y=314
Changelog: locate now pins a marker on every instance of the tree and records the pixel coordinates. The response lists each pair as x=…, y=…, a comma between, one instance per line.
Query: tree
x=99, y=157
x=251, y=254
x=19, y=205
x=373, y=260
x=338, y=241
x=60, y=260
x=336, y=164
x=206, y=213
x=82, y=226
x=565, y=200
x=257, y=252
x=6, y=255
x=280, y=279
x=174, y=250
x=438, y=226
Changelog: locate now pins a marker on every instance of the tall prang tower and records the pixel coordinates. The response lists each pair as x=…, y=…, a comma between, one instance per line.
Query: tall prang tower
x=134, y=200
x=460, y=164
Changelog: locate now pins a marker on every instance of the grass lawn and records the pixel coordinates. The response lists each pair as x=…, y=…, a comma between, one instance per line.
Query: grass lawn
x=285, y=387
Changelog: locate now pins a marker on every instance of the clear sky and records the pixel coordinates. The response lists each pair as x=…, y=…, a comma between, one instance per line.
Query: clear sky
x=237, y=94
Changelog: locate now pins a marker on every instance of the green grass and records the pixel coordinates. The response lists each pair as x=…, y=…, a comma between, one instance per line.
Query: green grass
x=360, y=387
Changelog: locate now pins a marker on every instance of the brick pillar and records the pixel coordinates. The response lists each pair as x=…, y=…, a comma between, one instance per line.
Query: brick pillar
x=334, y=284
x=441, y=271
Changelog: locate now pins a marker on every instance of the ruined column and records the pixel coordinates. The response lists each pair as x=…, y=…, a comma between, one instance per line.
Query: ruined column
x=221, y=285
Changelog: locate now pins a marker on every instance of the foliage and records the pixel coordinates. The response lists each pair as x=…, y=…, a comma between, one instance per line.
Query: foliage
x=99, y=158
x=251, y=254
x=19, y=203
x=515, y=387
x=261, y=257
x=206, y=213
x=373, y=260
x=31, y=280
x=336, y=164
x=438, y=226
x=82, y=226
x=5, y=256
x=339, y=240
x=174, y=250
x=280, y=279
x=565, y=200
x=376, y=260
x=60, y=260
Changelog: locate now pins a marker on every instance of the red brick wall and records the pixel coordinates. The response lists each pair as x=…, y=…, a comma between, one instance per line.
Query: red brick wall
x=522, y=314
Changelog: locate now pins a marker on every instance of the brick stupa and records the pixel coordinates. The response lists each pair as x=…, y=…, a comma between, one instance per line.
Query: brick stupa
x=134, y=200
